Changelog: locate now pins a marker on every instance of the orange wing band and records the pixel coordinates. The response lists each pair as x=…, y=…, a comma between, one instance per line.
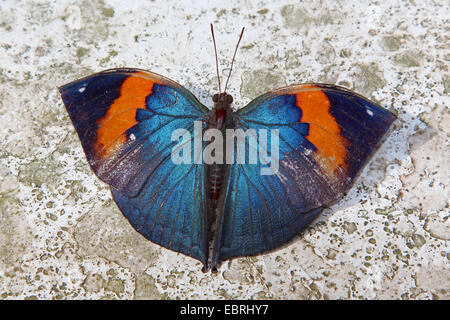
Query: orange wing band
x=324, y=132
x=121, y=115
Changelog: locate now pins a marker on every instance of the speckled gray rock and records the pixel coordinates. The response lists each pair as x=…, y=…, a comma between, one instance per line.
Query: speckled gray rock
x=62, y=237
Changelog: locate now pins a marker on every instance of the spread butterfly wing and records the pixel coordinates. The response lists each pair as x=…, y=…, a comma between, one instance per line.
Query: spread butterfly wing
x=325, y=135
x=124, y=119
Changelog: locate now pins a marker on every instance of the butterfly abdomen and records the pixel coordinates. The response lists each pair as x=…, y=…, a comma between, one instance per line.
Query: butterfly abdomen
x=216, y=179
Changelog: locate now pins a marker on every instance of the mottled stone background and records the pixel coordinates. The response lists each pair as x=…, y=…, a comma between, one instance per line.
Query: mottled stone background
x=61, y=235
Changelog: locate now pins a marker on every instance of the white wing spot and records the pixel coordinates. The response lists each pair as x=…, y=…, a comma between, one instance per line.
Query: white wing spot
x=82, y=89
x=132, y=137
x=369, y=112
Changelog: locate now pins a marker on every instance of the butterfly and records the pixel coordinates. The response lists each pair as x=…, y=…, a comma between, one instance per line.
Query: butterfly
x=126, y=118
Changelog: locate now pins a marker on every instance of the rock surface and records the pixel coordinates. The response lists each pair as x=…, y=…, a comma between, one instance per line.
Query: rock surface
x=61, y=235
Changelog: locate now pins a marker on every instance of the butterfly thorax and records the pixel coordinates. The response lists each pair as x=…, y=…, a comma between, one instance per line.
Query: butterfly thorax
x=222, y=106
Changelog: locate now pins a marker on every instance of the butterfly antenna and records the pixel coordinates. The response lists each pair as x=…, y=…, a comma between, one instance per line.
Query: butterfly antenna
x=215, y=50
x=232, y=61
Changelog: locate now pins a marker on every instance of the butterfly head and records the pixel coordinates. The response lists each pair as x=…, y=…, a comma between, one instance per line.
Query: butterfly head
x=222, y=102
x=222, y=99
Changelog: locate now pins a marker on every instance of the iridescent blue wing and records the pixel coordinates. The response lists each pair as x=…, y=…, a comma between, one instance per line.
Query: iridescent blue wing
x=124, y=119
x=326, y=134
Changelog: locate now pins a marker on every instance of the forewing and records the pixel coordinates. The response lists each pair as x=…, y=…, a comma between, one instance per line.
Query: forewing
x=326, y=132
